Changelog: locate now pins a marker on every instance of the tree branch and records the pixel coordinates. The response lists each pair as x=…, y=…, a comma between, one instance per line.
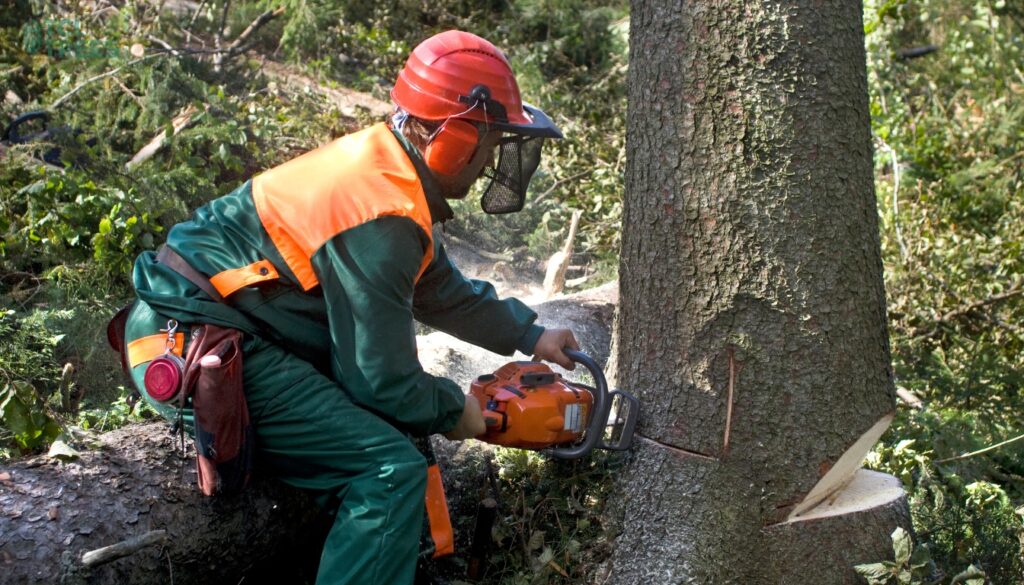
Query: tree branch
x=60, y=101
x=223, y=19
x=124, y=548
x=483, y=253
x=895, y=197
x=915, y=52
x=554, y=278
x=164, y=44
x=234, y=48
x=980, y=451
x=127, y=91
x=559, y=183
x=178, y=123
x=195, y=15
x=254, y=26
x=1015, y=290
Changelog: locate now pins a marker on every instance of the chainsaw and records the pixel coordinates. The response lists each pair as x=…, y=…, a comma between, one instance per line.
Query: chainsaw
x=529, y=406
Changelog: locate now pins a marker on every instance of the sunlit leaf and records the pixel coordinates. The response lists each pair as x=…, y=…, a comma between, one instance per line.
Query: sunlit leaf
x=61, y=450
x=536, y=540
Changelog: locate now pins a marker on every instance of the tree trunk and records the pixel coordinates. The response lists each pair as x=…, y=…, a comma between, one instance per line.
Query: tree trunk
x=752, y=314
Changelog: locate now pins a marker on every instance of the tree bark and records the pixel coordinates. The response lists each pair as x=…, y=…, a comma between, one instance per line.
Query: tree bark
x=752, y=316
x=135, y=483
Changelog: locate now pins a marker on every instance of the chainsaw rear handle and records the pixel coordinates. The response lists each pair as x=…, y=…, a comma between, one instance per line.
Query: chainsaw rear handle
x=598, y=418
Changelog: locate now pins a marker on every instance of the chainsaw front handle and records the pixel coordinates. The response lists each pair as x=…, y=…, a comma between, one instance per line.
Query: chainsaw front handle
x=598, y=418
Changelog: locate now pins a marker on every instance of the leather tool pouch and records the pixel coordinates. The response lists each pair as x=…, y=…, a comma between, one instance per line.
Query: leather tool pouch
x=224, y=437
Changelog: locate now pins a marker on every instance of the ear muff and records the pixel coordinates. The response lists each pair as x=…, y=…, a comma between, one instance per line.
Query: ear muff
x=452, y=147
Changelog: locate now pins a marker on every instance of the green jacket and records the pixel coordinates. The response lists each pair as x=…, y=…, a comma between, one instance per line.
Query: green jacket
x=357, y=325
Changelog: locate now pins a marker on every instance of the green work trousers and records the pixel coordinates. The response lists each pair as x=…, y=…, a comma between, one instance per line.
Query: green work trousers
x=310, y=435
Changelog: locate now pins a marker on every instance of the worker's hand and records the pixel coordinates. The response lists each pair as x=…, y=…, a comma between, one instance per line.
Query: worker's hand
x=471, y=423
x=550, y=345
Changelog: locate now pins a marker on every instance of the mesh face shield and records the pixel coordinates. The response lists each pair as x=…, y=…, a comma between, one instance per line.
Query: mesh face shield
x=518, y=159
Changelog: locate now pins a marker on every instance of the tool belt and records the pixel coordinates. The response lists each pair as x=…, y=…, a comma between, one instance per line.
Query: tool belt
x=210, y=374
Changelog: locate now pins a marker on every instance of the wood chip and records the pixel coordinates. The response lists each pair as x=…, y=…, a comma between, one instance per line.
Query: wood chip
x=558, y=568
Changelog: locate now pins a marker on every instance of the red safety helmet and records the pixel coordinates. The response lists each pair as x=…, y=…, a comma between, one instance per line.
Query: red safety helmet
x=458, y=78
x=458, y=74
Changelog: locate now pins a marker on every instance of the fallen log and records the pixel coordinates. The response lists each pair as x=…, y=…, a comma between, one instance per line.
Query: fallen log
x=56, y=517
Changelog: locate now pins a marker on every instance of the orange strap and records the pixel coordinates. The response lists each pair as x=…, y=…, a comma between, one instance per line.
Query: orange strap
x=437, y=513
x=229, y=281
x=145, y=349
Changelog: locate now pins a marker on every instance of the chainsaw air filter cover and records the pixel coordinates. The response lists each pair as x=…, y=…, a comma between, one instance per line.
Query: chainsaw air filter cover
x=526, y=405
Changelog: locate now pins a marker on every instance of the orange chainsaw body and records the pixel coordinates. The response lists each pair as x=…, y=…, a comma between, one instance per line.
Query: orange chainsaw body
x=528, y=406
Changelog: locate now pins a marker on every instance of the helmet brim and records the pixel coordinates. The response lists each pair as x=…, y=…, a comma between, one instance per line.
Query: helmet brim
x=541, y=125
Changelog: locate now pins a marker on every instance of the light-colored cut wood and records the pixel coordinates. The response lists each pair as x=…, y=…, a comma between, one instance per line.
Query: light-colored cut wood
x=183, y=119
x=865, y=490
x=842, y=472
x=554, y=279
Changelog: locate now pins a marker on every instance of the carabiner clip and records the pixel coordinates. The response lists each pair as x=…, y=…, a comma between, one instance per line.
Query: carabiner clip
x=172, y=329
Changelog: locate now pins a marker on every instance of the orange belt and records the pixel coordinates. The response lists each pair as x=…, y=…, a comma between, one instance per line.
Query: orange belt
x=145, y=349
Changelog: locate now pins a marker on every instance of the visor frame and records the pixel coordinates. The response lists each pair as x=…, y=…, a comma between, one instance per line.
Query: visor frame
x=541, y=126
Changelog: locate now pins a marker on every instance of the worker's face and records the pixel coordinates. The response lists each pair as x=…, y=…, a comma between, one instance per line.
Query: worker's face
x=458, y=186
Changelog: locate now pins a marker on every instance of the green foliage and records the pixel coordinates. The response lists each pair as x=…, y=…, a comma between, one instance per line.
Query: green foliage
x=96, y=209
x=70, y=231
x=949, y=180
x=64, y=217
x=911, y=565
x=30, y=376
x=961, y=522
x=974, y=524
x=550, y=528
x=126, y=408
x=34, y=334
x=25, y=418
x=55, y=362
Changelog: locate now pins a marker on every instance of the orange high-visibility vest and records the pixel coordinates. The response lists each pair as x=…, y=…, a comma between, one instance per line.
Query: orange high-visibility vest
x=308, y=200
